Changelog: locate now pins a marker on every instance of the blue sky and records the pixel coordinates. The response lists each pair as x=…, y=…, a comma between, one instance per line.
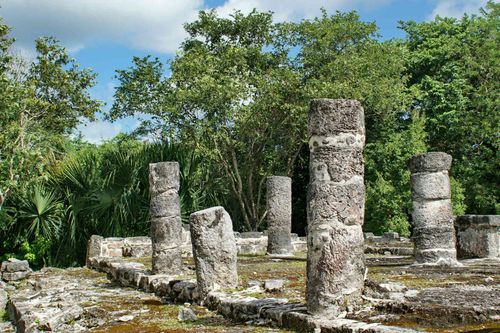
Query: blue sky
x=105, y=34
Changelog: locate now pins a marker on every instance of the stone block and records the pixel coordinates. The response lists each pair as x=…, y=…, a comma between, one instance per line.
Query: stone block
x=478, y=236
x=430, y=162
x=431, y=186
x=214, y=250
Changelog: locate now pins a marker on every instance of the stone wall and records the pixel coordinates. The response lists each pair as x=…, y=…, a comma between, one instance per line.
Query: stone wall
x=478, y=236
x=248, y=243
x=277, y=311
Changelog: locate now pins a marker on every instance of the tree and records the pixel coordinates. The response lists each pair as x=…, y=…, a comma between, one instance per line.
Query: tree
x=42, y=103
x=453, y=65
x=233, y=96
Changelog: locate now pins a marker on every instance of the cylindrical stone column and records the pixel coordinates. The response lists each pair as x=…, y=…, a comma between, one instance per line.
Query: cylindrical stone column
x=335, y=206
x=214, y=250
x=279, y=215
x=165, y=211
x=432, y=215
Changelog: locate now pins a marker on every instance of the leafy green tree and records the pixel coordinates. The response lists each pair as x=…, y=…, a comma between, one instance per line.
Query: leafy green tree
x=42, y=103
x=233, y=96
x=454, y=70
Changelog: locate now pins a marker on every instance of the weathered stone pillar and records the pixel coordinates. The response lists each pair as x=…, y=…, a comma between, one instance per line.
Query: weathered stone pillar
x=335, y=206
x=94, y=248
x=214, y=250
x=432, y=214
x=279, y=215
x=165, y=210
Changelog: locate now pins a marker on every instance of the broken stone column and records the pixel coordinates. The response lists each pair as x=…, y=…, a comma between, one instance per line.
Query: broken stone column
x=214, y=250
x=94, y=248
x=165, y=210
x=335, y=206
x=279, y=215
x=432, y=214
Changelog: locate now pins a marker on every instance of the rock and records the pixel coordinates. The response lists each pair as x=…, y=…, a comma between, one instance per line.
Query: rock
x=186, y=314
x=253, y=283
x=252, y=290
x=392, y=287
x=214, y=250
x=273, y=285
x=15, y=265
x=15, y=276
x=335, y=206
x=126, y=318
x=3, y=299
x=279, y=215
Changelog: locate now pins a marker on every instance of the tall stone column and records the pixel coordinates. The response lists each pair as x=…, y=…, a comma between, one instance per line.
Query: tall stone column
x=214, y=250
x=335, y=206
x=279, y=215
x=165, y=210
x=432, y=214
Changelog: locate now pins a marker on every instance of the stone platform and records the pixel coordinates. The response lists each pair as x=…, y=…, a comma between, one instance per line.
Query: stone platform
x=121, y=295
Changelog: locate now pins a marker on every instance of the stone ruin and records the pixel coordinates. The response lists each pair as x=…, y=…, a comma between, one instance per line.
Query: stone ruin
x=165, y=210
x=335, y=206
x=341, y=294
x=432, y=214
x=279, y=215
x=214, y=250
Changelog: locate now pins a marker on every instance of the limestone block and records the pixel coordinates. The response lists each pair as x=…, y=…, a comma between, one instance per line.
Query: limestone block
x=163, y=176
x=214, y=250
x=478, y=236
x=431, y=186
x=432, y=213
x=430, y=162
x=94, y=248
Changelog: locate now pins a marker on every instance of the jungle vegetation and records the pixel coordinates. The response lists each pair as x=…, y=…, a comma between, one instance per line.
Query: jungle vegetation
x=232, y=111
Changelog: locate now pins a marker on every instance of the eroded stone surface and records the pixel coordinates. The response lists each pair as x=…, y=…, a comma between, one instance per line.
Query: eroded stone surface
x=478, y=236
x=214, y=250
x=165, y=210
x=432, y=216
x=335, y=211
x=279, y=215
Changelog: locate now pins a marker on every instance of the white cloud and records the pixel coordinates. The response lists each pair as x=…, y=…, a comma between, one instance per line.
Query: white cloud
x=297, y=9
x=457, y=8
x=99, y=131
x=154, y=25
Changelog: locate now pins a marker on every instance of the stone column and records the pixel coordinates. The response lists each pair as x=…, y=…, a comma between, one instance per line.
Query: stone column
x=279, y=215
x=214, y=250
x=335, y=206
x=165, y=210
x=432, y=215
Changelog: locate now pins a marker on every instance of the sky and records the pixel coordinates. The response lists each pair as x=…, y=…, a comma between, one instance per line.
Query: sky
x=106, y=34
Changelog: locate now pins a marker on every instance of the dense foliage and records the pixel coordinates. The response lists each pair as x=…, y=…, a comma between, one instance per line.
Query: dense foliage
x=233, y=110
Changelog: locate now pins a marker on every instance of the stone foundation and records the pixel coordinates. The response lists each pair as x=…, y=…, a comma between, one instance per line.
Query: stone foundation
x=236, y=306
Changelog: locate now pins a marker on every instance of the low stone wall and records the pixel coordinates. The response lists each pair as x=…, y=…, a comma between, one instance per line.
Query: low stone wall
x=390, y=243
x=478, y=236
x=248, y=243
x=236, y=306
